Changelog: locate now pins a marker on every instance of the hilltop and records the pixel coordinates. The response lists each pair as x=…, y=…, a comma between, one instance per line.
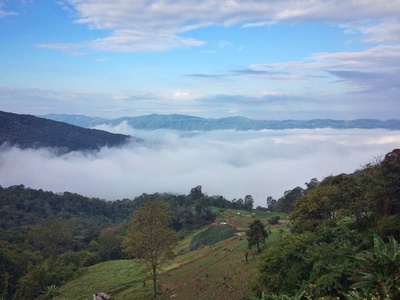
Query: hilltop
x=28, y=131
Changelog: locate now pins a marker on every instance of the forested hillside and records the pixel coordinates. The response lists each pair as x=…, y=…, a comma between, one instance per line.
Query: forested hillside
x=28, y=131
x=342, y=242
x=339, y=230
x=48, y=238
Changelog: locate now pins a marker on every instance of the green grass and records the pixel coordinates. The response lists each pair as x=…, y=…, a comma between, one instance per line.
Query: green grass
x=114, y=277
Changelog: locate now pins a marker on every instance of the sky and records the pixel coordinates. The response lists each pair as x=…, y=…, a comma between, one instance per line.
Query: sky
x=275, y=59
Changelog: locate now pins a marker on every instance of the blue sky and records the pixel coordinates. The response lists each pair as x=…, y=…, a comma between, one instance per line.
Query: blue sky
x=261, y=59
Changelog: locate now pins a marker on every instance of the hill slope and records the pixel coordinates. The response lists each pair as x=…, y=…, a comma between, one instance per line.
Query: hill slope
x=215, y=271
x=28, y=131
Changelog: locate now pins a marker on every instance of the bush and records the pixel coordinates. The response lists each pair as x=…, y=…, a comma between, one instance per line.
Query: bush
x=274, y=220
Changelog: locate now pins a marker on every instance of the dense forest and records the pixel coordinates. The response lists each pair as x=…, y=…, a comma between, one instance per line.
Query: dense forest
x=342, y=241
x=28, y=131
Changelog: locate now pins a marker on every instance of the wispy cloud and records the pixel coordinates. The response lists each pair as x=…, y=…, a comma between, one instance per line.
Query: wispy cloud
x=375, y=69
x=272, y=75
x=205, y=76
x=139, y=25
x=386, y=31
x=5, y=13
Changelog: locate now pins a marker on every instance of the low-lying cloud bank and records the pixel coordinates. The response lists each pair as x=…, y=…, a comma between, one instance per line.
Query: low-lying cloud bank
x=228, y=163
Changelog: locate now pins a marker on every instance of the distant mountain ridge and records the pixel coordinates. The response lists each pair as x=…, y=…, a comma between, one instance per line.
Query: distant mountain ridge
x=28, y=131
x=185, y=122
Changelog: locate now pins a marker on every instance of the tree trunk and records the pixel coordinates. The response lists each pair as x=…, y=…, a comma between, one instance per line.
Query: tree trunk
x=154, y=283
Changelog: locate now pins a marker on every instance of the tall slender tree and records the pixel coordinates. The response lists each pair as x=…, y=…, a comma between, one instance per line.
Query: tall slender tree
x=150, y=238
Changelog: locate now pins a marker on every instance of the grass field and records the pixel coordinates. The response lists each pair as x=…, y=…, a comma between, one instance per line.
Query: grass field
x=216, y=270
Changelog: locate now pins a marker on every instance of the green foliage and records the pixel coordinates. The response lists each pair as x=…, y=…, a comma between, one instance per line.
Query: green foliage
x=122, y=277
x=379, y=270
x=150, y=238
x=316, y=263
x=285, y=203
x=35, y=225
x=274, y=220
x=333, y=222
x=50, y=272
x=313, y=209
x=256, y=235
x=51, y=292
x=248, y=203
x=52, y=236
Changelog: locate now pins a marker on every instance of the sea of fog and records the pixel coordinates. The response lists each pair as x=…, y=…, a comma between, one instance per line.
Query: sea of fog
x=228, y=163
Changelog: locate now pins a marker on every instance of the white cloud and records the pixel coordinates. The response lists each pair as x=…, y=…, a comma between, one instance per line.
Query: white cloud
x=372, y=70
x=388, y=31
x=4, y=13
x=140, y=25
x=7, y=13
x=228, y=163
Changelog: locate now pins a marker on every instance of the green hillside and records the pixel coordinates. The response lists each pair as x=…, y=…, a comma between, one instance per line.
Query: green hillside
x=217, y=270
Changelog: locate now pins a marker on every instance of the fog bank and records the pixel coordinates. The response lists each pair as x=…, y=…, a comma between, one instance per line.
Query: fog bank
x=228, y=163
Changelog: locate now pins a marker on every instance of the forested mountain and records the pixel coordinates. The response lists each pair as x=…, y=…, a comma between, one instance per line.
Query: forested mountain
x=28, y=131
x=183, y=122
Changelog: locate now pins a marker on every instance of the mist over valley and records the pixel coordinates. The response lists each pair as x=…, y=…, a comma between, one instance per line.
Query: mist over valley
x=224, y=162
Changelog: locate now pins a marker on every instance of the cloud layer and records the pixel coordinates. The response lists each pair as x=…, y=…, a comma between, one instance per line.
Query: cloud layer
x=228, y=163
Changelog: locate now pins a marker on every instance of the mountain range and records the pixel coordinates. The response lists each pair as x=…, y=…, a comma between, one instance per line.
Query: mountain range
x=73, y=132
x=185, y=122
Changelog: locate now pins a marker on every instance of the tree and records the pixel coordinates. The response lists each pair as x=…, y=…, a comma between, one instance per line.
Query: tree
x=150, y=238
x=285, y=203
x=312, y=184
x=248, y=202
x=52, y=236
x=109, y=244
x=271, y=202
x=196, y=193
x=257, y=234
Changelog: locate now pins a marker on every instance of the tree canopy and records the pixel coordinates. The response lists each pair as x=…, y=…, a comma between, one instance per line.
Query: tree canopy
x=150, y=238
